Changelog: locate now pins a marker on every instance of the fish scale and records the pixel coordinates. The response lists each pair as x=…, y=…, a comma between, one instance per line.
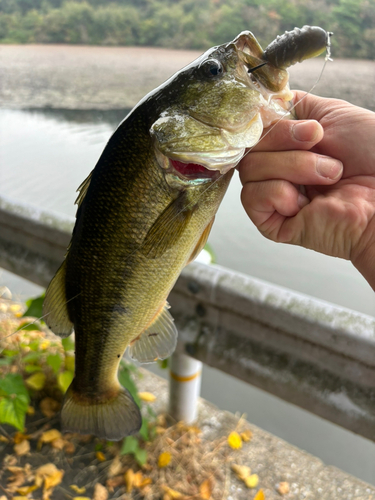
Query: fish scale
x=142, y=216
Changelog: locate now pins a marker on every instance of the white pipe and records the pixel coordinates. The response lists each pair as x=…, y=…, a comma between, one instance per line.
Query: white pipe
x=184, y=387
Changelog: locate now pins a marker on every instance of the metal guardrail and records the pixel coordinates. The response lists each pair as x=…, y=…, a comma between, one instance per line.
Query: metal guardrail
x=316, y=355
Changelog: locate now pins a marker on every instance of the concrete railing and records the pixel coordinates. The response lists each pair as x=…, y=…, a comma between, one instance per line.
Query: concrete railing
x=316, y=355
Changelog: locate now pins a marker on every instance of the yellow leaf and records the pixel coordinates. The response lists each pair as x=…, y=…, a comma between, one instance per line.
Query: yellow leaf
x=49, y=407
x=58, y=443
x=81, y=498
x=19, y=437
x=30, y=410
x=260, y=495
x=246, y=435
x=146, y=481
x=234, y=440
x=76, y=488
x=137, y=479
x=164, y=459
x=205, y=489
x=53, y=480
x=64, y=379
x=148, y=397
x=50, y=435
x=69, y=363
x=25, y=490
x=175, y=495
x=242, y=471
x=22, y=448
x=36, y=381
x=100, y=456
x=129, y=478
x=252, y=481
x=45, y=344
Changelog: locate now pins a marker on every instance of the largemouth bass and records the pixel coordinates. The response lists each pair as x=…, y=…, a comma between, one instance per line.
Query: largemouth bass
x=146, y=211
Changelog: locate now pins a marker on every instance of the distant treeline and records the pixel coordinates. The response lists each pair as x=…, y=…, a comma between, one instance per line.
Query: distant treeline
x=188, y=24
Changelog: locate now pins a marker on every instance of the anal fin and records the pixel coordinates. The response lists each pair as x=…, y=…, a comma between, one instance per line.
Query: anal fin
x=158, y=341
x=202, y=241
x=55, y=305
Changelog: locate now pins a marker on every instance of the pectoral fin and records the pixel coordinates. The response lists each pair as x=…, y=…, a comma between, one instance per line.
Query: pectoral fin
x=158, y=341
x=168, y=228
x=55, y=305
x=202, y=241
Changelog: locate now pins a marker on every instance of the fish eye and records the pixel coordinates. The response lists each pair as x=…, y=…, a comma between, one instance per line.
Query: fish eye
x=212, y=68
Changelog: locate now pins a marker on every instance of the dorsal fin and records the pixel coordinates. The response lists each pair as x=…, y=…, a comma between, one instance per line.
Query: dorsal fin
x=82, y=189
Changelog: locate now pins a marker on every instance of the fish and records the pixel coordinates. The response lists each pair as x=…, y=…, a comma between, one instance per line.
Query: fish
x=145, y=212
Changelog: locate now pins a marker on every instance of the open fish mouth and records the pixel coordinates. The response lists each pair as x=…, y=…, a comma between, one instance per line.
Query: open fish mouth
x=205, y=165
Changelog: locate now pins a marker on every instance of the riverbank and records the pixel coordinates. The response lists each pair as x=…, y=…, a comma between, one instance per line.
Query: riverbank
x=87, y=77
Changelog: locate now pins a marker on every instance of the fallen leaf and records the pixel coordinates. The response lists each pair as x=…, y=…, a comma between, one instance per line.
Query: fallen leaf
x=77, y=489
x=137, y=480
x=25, y=490
x=148, y=397
x=17, y=479
x=19, y=437
x=58, y=443
x=145, y=482
x=164, y=459
x=260, y=495
x=49, y=407
x=22, y=448
x=50, y=474
x=242, y=471
x=129, y=479
x=3, y=439
x=100, y=456
x=205, y=489
x=172, y=493
x=252, y=481
x=69, y=447
x=113, y=482
x=115, y=467
x=246, y=435
x=100, y=492
x=49, y=436
x=81, y=498
x=30, y=410
x=234, y=440
x=283, y=488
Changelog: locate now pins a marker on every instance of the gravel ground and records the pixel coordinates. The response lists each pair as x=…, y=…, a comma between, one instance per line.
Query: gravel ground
x=80, y=77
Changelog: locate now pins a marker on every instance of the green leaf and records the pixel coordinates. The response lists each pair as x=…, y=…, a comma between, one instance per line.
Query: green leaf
x=29, y=327
x=64, y=380
x=35, y=307
x=13, y=411
x=163, y=363
x=54, y=361
x=32, y=368
x=98, y=446
x=141, y=456
x=126, y=381
x=130, y=445
x=34, y=345
x=143, y=431
x=13, y=384
x=5, y=361
x=9, y=353
x=67, y=344
x=31, y=357
x=36, y=381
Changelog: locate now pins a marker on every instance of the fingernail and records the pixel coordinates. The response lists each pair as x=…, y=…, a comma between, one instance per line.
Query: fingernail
x=305, y=131
x=329, y=167
x=302, y=200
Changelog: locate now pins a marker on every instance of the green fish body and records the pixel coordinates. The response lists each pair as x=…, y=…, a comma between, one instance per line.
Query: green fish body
x=144, y=212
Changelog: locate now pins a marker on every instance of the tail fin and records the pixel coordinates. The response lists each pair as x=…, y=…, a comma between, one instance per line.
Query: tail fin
x=111, y=419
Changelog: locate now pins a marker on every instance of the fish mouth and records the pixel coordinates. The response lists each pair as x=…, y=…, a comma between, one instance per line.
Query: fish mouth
x=193, y=171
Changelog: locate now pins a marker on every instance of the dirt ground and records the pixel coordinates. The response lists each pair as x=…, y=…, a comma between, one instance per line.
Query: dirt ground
x=80, y=77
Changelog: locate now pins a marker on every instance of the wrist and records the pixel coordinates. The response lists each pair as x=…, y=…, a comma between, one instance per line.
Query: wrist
x=365, y=263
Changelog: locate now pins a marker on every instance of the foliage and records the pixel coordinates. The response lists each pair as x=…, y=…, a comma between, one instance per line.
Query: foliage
x=192, y=24
x=32, y=366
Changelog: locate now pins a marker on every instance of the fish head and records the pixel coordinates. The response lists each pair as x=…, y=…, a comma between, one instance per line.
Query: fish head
x=218, y=107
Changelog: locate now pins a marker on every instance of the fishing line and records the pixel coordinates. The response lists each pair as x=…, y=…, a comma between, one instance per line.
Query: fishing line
x=190, y=205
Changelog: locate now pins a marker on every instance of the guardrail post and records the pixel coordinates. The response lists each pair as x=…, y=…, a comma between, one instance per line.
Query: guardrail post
x=184, y=387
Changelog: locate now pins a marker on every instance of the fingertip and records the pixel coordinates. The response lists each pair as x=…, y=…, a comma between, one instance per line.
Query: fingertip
x=309, y=131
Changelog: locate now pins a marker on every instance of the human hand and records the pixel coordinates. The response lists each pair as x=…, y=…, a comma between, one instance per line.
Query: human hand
x=333, y=157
